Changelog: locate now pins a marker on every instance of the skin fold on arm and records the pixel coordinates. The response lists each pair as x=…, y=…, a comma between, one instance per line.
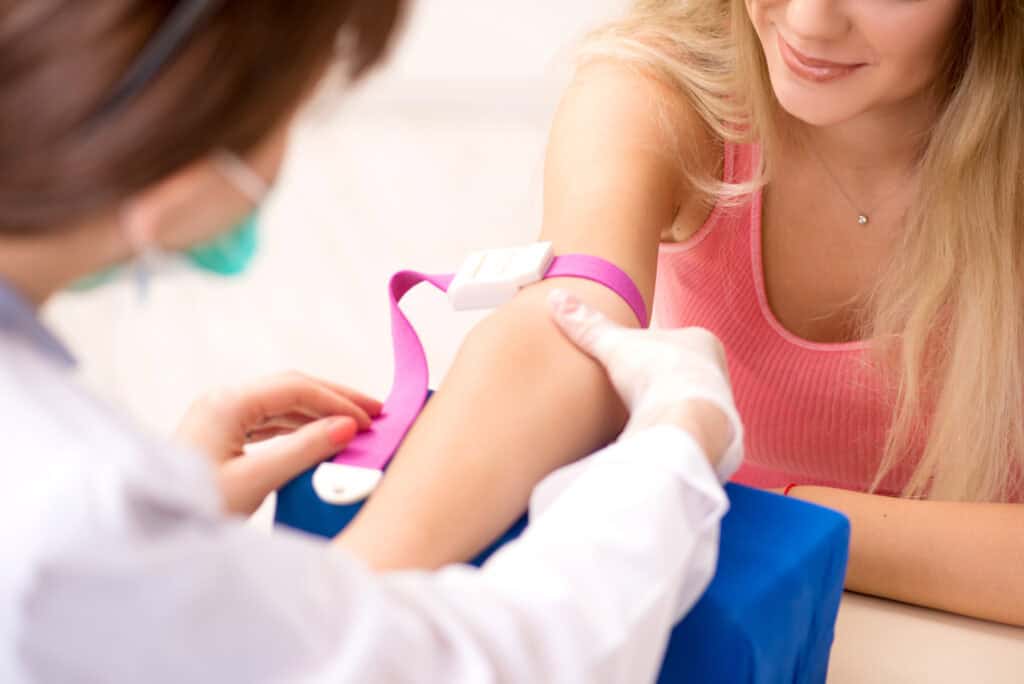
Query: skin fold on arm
x=520, y=400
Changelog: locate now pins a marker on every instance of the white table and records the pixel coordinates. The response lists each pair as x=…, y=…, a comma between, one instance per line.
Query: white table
x=879, y=641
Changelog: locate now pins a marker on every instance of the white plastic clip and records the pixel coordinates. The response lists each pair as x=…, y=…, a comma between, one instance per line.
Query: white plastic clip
x=340, y=484
x=491, y=277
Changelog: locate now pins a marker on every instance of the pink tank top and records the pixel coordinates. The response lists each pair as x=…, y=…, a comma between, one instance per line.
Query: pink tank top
x=814, y=413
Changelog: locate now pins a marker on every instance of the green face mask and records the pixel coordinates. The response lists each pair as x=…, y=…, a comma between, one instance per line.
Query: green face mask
x=231, y=253
x=227, y=255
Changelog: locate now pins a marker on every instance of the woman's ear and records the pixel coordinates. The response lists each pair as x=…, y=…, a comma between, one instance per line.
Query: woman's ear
x=193, y=205
x=138, y=225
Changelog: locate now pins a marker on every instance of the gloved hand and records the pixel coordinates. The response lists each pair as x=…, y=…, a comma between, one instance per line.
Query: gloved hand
x=675, y=377
x=312, y=418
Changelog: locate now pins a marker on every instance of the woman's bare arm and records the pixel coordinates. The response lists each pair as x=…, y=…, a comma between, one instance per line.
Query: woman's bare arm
x=520, y=401
x=965, y=558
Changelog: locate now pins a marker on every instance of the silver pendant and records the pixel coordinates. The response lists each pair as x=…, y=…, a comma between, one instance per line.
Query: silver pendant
x=863, y=219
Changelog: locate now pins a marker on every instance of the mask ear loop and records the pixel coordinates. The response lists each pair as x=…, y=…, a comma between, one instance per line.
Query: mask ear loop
x=241, y=175
x=141, y=237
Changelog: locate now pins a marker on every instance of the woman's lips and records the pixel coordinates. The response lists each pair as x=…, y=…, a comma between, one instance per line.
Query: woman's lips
x=814, y=70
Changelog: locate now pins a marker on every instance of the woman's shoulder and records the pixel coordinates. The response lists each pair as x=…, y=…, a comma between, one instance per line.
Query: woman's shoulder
x=640, y=133
x=643, y=106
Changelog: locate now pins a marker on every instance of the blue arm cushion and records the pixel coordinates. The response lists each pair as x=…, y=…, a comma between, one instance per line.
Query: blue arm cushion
x=767, y=617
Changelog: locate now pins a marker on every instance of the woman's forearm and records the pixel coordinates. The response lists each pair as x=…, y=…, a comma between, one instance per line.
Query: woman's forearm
x=519, y=402
x=966, y=558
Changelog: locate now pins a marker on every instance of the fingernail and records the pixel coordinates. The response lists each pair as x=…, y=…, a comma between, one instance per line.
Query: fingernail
x=341, y=431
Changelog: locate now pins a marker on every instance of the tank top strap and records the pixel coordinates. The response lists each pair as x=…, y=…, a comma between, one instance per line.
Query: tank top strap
x=741, y=161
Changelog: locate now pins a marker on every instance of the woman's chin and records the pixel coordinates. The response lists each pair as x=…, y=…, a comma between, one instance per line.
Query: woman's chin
x=820, y=110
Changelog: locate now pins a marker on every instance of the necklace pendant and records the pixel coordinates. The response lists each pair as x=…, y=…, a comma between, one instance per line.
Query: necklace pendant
x=863, y=219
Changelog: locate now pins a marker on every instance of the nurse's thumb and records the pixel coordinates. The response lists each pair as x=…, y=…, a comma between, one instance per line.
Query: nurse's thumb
x=588, y=329
x=286, y=457
x=265, y=468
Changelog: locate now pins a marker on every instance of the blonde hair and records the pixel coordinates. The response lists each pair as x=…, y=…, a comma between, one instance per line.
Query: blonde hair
x=947, y=316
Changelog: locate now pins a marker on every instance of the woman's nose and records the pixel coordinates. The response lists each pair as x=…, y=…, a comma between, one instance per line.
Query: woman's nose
x=817, y=21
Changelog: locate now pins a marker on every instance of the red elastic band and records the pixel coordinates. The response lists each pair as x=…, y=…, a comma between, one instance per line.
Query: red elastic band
x=785, y=492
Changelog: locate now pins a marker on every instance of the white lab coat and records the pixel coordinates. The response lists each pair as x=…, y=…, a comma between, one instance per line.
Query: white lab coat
x=118, y=565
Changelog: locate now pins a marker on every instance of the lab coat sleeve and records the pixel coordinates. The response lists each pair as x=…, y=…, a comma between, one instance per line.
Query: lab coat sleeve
x=620, y=547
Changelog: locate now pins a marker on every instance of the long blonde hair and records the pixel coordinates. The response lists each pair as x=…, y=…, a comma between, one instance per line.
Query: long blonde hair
x=947, y=316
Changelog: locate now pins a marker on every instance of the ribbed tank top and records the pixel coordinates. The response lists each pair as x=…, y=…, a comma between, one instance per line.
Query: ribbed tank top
x=814, y=413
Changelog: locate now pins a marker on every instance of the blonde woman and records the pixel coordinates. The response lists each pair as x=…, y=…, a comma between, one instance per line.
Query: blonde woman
x=836, y=189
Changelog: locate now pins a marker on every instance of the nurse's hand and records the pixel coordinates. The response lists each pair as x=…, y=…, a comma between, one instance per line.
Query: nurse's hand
x=676, y=377
x=308, y=420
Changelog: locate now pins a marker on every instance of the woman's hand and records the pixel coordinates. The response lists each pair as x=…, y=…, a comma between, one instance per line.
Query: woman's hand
x=312, y=419
x=665, y=377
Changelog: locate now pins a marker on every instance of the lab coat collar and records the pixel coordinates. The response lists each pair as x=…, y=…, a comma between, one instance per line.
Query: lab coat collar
x=18, y=317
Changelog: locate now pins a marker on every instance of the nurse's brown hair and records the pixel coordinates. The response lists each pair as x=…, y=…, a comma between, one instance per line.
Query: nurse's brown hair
x=67, y=149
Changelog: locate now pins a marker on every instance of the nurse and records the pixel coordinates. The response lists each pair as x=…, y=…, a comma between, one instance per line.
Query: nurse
x=131, y=127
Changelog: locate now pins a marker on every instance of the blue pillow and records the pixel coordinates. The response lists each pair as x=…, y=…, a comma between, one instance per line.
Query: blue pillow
x=767, y=617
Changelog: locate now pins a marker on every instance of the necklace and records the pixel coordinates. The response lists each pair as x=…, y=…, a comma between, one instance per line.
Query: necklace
x=863, y=217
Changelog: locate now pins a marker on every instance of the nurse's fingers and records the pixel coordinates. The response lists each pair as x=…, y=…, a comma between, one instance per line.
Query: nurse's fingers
x=291, y=393
x=256, y=436
x=367, y=403
x=247, y=480
x=588, y=329
x=278, y=425
x=222, y=423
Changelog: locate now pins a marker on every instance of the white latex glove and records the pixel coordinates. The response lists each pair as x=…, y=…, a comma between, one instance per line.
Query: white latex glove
x=660, y=374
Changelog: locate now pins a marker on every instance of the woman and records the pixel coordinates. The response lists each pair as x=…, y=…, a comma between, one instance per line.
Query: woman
x=134, y=125
x=833, y=187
